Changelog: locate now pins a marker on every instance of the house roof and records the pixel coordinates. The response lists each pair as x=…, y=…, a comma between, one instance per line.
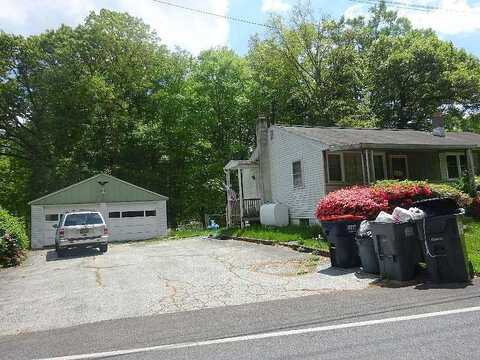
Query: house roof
x=98, y=188
x=336, y=138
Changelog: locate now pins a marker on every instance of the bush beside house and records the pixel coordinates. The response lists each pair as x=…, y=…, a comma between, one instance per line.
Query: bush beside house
x=13, y=240
x=368, y=201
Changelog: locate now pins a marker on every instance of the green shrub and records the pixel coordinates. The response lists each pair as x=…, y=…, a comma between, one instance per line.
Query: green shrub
x=385, y=184
x=448, y=191
x=463, y=184
x=13, y=239
x=436, y=190
x=191, y=225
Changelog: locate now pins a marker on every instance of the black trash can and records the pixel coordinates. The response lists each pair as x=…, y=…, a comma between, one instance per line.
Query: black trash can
x=443, y=243
x=397, y=248
x=368, y=256
x=341, y=237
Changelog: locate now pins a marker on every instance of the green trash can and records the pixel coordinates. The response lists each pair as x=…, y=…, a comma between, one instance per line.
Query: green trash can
x=397, y=248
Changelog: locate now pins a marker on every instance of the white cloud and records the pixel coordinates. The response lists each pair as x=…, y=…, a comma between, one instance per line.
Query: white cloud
x=275, y=6
x=451, y=17
x=176, y=27
x=355, y=11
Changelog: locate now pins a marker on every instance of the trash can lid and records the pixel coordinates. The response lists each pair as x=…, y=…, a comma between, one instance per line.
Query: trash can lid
x=438, y=206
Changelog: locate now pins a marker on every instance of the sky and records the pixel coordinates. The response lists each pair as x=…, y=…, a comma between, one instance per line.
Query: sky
x=455, y=20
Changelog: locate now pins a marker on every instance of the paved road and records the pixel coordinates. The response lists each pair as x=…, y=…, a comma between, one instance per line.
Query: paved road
x=437, y=336
x=150, y=278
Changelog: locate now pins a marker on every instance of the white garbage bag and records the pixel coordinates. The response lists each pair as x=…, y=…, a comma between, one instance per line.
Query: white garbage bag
x=417, y=214
x=384, y=217
x=401, y=215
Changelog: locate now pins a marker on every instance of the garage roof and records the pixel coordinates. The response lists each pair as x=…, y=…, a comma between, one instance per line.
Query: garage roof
x=89, y=191
x=347, y=138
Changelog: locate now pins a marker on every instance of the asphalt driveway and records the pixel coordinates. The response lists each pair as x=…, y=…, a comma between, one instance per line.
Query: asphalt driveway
x=147, y=278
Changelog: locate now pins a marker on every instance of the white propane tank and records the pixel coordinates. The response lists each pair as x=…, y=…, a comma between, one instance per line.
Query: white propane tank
x=274, y=215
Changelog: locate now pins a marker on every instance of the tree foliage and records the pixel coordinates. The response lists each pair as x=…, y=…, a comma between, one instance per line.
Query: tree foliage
x=108, y=96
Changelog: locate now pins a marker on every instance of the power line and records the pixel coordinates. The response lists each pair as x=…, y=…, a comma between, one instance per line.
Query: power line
x=204, y=12
x=410, y=6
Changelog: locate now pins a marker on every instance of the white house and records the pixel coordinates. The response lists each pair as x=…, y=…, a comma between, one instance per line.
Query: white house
x=131, y=212
x=297, y=165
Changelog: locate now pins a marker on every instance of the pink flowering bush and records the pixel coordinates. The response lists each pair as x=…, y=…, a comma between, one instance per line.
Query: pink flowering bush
x=366, y=202
x=359, y=201
x=403, y=193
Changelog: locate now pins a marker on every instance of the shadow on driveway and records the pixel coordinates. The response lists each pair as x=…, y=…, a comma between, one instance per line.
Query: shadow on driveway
x=334, y=271
x=52, y=255
x=428, y=286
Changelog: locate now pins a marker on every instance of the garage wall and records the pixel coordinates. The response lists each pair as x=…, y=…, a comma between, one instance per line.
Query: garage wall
x=36, y=224
x=120, y=229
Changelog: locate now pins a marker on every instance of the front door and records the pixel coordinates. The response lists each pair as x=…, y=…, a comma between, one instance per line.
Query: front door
x=399, y=167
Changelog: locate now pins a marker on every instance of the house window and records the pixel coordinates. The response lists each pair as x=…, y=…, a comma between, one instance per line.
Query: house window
x=297, y=174
x=114, y=214
x=150, y=213
x=51, y=217
x=399, y=167
x=456, y=165
x=380, y=166
x=126, y=214
x=335, y=167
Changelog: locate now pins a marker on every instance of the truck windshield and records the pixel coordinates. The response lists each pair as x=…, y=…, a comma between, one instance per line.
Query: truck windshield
x=83, y=219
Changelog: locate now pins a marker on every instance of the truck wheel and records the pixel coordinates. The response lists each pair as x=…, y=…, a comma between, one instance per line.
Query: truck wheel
x=103, y=248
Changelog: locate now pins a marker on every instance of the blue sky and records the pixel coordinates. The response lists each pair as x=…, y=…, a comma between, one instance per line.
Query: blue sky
x=457, y=20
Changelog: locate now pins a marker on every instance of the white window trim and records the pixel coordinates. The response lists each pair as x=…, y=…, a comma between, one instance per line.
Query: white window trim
x=399, y=157
x=459, y=166
x=342, y=168
x=302, y=185
x=383, y=154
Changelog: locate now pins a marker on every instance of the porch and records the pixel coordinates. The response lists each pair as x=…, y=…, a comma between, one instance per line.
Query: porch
x=243, y=195
x=367, y=165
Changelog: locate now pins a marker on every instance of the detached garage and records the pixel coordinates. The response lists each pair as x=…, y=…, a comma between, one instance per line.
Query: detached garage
x=131, y=212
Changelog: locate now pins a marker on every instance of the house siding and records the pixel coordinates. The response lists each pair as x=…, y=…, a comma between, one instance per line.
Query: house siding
x=36, y=227
x=285, y=148
x=250, y=187
x=163, y=226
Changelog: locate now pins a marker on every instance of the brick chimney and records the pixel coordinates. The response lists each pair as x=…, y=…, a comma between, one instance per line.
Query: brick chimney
x=438, y=124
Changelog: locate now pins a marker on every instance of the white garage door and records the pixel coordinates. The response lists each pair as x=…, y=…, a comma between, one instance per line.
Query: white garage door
x=133, y=222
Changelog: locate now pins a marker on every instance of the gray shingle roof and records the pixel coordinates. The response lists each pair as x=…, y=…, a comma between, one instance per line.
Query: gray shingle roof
x=348, y=138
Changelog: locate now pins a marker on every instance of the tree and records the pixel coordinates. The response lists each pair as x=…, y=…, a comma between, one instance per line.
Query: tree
x=374, y=71
x=221, y=92
x=414, y=75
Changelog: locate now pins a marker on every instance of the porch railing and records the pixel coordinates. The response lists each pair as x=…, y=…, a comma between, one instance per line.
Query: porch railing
x=251, y=208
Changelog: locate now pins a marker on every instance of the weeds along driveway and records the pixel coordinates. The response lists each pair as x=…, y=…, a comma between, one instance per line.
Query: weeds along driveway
x=147, y=278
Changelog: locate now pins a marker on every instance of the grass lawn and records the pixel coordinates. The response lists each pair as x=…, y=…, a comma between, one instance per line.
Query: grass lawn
x=303, y=235
x=472, y=241
x=180, y=234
